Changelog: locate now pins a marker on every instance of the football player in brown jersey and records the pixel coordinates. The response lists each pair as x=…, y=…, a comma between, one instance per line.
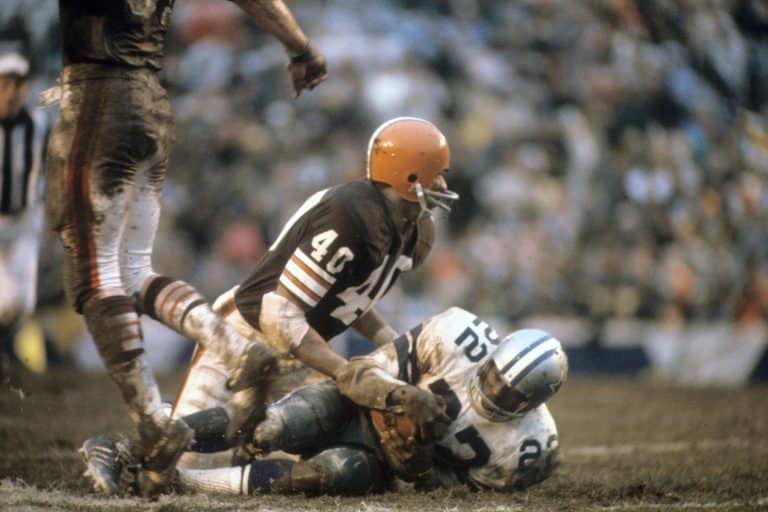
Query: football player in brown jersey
x=106, y=165
x=334, y=259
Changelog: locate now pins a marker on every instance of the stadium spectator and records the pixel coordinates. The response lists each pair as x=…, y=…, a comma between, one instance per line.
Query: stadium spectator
x=590, y=133
x=23, y=134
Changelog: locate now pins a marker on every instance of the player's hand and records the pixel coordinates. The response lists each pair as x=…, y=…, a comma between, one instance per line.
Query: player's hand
x=307, y=70
x=425, y=409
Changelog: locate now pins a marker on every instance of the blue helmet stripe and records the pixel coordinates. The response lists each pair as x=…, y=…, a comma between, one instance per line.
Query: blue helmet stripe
x=520, y=376
x=522, y=353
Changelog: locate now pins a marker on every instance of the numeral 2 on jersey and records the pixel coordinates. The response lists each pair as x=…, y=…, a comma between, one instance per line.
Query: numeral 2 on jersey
x=478, y=346
x=469, y=435
x=530, y=452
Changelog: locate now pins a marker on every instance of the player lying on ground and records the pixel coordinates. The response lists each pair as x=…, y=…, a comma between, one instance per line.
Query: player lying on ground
x=502, y=435
x=336, y=256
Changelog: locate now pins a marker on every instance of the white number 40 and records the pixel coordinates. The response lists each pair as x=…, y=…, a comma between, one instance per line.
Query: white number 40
x=320, y=245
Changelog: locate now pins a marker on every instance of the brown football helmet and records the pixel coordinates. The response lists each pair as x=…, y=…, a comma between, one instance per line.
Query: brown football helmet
x=410, y=154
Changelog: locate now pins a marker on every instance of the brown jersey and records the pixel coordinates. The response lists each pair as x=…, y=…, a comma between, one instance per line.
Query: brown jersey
x=121, y=32
x=337, y=255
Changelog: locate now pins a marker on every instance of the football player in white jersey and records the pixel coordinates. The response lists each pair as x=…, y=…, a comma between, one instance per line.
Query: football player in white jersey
x=502, y=435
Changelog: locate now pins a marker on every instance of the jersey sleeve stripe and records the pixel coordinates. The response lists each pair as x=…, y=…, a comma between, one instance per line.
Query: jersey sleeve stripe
x=307, y=278
x=319, y=288
x=407, y=355
x=303, y=294
x=314, y=267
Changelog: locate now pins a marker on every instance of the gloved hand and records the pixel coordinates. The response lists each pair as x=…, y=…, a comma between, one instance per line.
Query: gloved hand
x=426, y=410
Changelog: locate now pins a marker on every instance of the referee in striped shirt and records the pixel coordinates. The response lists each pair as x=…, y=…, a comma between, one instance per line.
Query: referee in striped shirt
x=22, y=140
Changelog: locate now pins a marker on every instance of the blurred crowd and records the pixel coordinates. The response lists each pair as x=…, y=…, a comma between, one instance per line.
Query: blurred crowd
x=611, y=155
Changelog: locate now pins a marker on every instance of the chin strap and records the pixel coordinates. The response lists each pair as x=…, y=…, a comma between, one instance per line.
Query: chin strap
x=430, y=199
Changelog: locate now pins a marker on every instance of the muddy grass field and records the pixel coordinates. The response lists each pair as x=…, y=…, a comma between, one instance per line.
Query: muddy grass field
x=627, y=444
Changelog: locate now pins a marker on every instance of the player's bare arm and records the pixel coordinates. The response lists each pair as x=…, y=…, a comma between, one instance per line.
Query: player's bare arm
x=304, y=341
x=373, y=327
x=283, y=319
x=307, y=66
x=315, y=353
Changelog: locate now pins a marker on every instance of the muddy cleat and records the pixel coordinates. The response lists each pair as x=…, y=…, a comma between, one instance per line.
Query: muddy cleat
x=246, y=409
x=160, y=451
x=104, y=460
x=248, y=383
x=256, y=364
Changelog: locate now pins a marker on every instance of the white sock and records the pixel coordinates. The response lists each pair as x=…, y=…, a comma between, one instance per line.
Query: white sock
x=229, y=480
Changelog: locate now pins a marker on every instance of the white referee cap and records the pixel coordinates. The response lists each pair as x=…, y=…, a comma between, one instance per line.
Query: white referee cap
x=13, y=64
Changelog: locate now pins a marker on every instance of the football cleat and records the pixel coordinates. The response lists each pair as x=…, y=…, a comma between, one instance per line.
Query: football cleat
x=104, y=460
x=256, y=364
x=160, y=449
x=245, y=411
x=248, y=383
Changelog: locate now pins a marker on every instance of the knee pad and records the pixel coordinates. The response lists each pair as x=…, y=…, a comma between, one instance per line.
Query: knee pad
x=209, y=426
x=308, y=418
x=352, y=470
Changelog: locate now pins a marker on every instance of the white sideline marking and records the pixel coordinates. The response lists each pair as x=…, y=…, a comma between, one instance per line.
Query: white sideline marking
x=661, y=447
x=759, y=502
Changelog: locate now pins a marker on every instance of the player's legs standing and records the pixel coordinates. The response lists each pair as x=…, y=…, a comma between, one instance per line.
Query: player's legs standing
x=89, y=189
x=111, y=128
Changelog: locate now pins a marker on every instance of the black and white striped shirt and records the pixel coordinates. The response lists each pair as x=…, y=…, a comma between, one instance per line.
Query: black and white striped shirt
x=22, y=146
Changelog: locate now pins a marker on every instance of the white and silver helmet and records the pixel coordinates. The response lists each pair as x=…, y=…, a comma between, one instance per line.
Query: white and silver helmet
x=525, y=370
